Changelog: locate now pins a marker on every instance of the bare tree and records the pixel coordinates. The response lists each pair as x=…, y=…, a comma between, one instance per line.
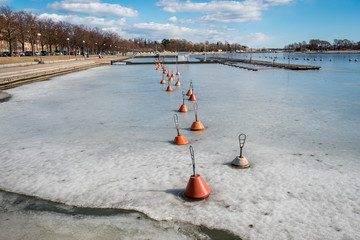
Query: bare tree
x=8, y=28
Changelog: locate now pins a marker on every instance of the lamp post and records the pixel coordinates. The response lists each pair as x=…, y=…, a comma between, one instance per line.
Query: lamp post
x=84, y=48
x=68, y=39
x=39, y=35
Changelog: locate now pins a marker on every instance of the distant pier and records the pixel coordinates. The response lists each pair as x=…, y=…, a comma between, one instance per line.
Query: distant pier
x=225, y=61
x=269, y=64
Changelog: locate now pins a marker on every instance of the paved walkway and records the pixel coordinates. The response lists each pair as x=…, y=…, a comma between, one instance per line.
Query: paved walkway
x=17, y=75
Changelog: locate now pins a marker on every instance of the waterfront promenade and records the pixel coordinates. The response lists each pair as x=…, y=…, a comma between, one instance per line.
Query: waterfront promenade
x=15, y=74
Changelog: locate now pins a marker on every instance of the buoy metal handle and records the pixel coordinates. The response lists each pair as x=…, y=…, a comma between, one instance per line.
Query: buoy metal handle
x=191, y=84
x=183, y=93
x=195, y=110
x=192, y=159
x=242, y=138
x=176, y=120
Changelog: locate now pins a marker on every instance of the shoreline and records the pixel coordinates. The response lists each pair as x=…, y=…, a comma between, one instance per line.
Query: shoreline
x=18, y=74
x=16, y=207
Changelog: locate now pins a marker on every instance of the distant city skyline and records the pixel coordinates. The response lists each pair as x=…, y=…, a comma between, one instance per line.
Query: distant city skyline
x=254, y=23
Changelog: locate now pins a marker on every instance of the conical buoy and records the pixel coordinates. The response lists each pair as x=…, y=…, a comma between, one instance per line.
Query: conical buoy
x=178, y=74
x=169, y=89
x=179, y=139
x=177, y=82
x=172, y=75
x=196, y=187
x=192, y=97
x=183, y=107
x=197, y=125
x=170, y=79
x=157, y=69
x=189, y=92
x=240, y=161
x=163, y=80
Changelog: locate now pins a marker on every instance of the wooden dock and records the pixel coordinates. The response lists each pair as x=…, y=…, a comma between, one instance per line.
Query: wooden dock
x=227, y=61
x=269, y=64
x=167, y=62
x=234, y=65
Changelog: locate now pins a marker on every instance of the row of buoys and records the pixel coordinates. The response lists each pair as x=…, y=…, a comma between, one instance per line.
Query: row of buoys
x=308, y=59
x=196, y=187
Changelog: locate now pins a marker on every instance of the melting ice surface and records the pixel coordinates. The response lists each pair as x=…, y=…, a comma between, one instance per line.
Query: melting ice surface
x=101, y=138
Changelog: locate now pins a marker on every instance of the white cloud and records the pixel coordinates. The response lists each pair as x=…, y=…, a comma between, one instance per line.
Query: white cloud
x=102, y=23
x=221, y=11
x=277, y=2
x=254, y=40
x=172, y=19
x=94, y=8
x=157, y=31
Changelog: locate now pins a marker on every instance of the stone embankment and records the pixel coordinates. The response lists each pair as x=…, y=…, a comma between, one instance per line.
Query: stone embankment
x=15, y=75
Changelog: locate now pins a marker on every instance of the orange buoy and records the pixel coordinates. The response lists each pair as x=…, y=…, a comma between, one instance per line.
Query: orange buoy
x=197, y=125
x=168, y=75
x=192, y=97
x=240, y=161
x=178, y=73
x=177, y=82
x=196, y=187
x=183, y=107
x=189, y=92
x=170, y=79
x=172, y=75
x=165, y=71
x=169, y=88
x=179, y=139
x=162, y=80
x=157, y=69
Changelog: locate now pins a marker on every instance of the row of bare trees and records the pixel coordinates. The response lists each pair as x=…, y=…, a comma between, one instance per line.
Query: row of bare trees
x=322, y=45
x=176, y=45
x=21, y=28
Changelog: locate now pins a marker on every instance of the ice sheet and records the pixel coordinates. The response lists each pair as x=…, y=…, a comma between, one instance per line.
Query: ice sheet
x=102, y=138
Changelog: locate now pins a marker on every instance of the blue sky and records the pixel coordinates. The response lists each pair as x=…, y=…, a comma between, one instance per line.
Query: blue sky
x=255, y=23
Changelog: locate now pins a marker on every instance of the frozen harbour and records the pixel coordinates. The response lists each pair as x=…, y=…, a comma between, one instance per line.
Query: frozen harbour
x=101, y=138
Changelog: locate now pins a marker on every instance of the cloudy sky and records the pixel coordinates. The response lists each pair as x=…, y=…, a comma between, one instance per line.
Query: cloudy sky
x=255, y=23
